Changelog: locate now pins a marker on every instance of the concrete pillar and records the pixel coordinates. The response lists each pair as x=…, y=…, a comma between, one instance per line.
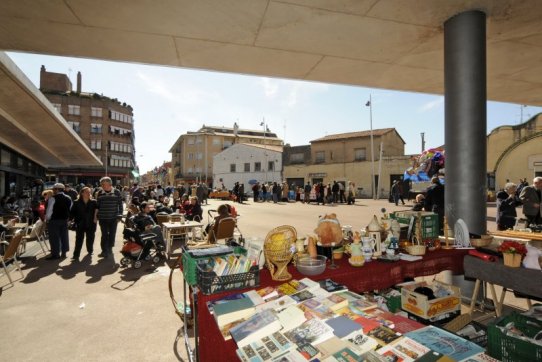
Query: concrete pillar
x=465, y=119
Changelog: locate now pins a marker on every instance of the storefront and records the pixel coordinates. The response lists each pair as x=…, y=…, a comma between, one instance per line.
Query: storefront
x=19, y=175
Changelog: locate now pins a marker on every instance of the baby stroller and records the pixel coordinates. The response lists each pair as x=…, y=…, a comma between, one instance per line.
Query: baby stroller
x=134, y=245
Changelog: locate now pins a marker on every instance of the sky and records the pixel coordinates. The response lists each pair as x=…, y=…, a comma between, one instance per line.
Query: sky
x=168, y=102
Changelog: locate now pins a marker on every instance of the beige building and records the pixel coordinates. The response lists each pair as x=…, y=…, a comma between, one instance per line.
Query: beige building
x=106, y=125
x=193, y=152
x=515, y=152
x=347, y=157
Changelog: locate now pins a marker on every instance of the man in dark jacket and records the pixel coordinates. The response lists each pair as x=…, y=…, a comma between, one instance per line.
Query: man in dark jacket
x=531, y=197
x=108, y=210
x=57, y=215
x=434, y=201
x=82, y=214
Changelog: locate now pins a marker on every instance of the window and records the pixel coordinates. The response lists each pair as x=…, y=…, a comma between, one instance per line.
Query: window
x=227, y=144
x=190, y=140
x=216, y=141
x=96, y=144
x=190, y=170
x=199, y=156
x=232, y=167
x=199, y=140
x=190, y=156
x=360, y=154
x=247, y=167
x=119, y=131
x=297, y=158
x=57, y=107
x=75, y=125
x=75, y=110
x=95, y=112
x=257, y=166
x=320, y=156
x=117, y=116
x=271, y=166
x=96, y=127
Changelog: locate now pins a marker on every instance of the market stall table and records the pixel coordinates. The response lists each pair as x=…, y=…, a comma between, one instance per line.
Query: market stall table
x=372, y=276
x=526, y=281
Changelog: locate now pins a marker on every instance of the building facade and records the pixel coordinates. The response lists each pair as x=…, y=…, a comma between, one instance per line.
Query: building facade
x=514, y=152
x=248, y=163
x=347, y=157
x=106, y=125
x=193, y=153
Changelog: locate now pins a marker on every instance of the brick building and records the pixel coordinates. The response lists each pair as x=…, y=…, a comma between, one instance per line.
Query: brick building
x=105, y=124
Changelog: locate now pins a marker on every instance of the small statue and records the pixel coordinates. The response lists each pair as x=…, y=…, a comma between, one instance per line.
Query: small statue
x=356, y=252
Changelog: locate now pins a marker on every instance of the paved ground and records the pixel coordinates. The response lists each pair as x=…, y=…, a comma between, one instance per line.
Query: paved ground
x=95, y=311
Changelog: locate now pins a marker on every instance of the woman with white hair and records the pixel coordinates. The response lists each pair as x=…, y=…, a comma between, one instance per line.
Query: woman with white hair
x=506, y=207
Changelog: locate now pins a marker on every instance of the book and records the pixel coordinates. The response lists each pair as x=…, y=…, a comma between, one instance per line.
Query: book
x=225, y=329
x=330, y=346
x=403, y=324
x=255, y=327
x=342, y=326
x=383, y=335
x=331, y=286
x=360, y=342
x=333, y=301
x=291, y=287
x=380, y=316
x=290, y=356
x=403, y=349
x=366, y=324
x=346, y=355
x=360, y=305
x=311, y=331
x=308, y=351
x=251, y=294
x=267, y=293
x=265, y=348
x=433, y=356
x=315, y=309
x=349, y=295
x=480, y=357
x=445, y=342
x=373, y=356
x=291, y=317
x=233, y=310
x=277, y=304
x=302, y=296
x=311, y=284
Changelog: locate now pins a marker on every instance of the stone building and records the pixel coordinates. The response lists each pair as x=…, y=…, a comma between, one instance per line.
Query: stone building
x=105, y=124
x=514, y=152
x=193, y=152
x=347, y=157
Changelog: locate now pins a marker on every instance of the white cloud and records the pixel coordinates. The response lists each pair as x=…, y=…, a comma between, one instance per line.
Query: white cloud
x=270, y=87
x=437, y=103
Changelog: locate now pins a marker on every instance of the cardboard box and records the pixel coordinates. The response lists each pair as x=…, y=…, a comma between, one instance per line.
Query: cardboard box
x=420, y=305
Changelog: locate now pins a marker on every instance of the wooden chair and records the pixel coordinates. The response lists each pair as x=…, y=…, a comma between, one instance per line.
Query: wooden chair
x=11, y=254
x=162, y=218
x=225, y=229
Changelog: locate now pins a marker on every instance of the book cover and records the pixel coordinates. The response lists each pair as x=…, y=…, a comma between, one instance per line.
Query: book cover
x=291, y=317
x=380, y=316
x=267, y=293
x=331, y=286
x=266, y=348
x=445, y=342
x=212, y=303
x=479, y=357
x=314, y=309
x=233, y=310
x=255, y=327
x=342, y=326
x=373, y=356
x=404, y=349
x=383, y=335
x=366, y=324
x=360, y=342
x=302, y=296
x=433, y=356
x=349, y=295
x=291, y=287
x=311, y=331
x=290, y=356
x=310, y=284
x=330, y=346
x=347, y=355
x=333, y=301
x=308, y=351
x=276, y=304
x=361, y=305
x=225, y=329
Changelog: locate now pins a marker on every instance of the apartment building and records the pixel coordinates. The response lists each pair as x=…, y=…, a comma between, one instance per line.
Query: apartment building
x=105, y=124
x=192, y=154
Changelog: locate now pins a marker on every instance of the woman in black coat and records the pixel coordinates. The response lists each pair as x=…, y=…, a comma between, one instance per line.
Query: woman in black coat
x=82, y=214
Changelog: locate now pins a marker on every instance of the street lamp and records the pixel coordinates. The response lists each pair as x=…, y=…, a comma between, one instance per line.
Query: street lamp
x=370, y=105
x=265, y=146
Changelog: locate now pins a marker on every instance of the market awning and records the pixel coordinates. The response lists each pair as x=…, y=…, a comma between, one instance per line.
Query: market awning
x=30, y=125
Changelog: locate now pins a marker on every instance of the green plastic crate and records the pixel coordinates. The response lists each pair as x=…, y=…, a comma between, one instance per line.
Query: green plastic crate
x=508, y=348
x=190, y=263
x=430, y=225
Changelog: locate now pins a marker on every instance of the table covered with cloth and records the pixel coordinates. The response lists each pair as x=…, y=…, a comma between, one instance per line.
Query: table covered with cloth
x=372, y=276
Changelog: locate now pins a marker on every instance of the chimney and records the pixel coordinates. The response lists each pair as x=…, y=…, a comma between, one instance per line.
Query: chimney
x=78, y=82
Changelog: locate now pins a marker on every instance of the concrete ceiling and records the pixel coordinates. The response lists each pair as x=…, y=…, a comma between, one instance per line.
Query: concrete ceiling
x=31, y=126
x=392, y=44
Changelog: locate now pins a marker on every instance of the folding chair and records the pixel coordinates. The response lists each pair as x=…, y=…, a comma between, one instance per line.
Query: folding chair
x=226, y=228
x=162, y=218
x=11, y=254
x=36, y=234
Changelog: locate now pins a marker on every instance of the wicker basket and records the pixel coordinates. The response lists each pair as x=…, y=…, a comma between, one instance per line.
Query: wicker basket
x=483, y=242
x=277, y=251
x=417, y=248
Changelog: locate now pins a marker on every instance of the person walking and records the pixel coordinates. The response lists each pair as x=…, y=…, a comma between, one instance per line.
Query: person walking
x=57, y=215
x=108, y=209
x=307, y=190
x=434, y=201
x=82, y=214
x=395, y=192
x=531, y=198
x=335, y=192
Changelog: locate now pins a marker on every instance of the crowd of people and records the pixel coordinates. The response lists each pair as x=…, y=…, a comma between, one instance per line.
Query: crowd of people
x=514, y=195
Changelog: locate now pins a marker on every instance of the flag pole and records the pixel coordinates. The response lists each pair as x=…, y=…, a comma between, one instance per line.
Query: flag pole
x=370, y=103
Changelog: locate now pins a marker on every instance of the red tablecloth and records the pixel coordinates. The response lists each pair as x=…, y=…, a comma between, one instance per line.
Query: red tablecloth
x=372, y=276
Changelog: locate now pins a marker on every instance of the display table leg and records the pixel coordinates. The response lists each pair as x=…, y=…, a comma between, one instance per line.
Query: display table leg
x=474, y=296
x=497, y=303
